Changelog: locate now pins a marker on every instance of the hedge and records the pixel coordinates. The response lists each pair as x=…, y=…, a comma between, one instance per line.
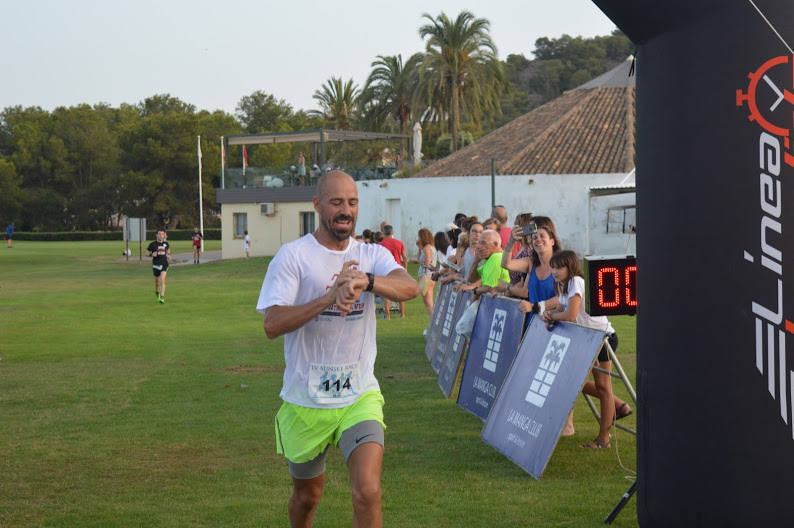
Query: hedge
x=173, y=234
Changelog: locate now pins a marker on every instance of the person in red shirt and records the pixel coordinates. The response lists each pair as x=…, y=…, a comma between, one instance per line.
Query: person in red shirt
x=397, y=249
x=500, y=213
x=196, y=245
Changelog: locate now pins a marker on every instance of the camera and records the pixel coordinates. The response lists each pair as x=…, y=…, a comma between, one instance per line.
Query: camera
x=529, y=229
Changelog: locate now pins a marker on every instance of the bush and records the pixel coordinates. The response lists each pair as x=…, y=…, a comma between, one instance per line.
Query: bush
x=174, y=234
x=68, y=235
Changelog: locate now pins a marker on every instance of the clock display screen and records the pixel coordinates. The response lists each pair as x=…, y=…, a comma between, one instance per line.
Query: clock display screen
x=611, y=285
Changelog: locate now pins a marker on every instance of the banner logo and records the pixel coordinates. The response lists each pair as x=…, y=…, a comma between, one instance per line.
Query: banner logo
x=453, y=297
x=547, y=370
x=494, y=340
x=769, y=99
x=775, y=120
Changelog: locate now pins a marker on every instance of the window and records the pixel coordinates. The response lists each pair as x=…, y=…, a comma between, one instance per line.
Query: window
x=240, y=224
x=307, y=222
x=621, y=219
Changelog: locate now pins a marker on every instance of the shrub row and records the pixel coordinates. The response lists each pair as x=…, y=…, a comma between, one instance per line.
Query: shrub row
x=173, y=234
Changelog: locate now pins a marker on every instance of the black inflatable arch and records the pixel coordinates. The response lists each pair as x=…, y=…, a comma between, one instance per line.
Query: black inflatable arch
x=715, y=253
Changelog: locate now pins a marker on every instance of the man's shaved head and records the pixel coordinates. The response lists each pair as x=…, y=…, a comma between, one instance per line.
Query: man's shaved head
x=328, y=181
x=337, y=204
x=500, y=213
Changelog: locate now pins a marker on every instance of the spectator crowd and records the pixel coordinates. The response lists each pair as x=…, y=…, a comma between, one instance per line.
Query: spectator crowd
x=525, y=261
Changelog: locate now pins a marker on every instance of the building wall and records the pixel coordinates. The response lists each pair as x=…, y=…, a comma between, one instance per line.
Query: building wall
x=267, y=233
x=411, y=203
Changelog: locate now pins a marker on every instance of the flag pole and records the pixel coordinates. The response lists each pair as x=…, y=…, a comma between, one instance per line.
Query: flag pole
x=201, y=206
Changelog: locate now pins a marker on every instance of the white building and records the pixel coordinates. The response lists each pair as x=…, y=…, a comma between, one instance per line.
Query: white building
x=571, y=159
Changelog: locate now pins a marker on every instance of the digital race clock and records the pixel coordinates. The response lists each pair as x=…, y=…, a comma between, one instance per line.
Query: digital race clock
x=611, y=284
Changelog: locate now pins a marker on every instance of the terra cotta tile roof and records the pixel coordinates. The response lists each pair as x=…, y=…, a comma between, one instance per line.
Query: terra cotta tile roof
x=587, y=130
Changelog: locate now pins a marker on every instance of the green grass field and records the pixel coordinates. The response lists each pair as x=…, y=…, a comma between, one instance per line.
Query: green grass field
x=117, y=411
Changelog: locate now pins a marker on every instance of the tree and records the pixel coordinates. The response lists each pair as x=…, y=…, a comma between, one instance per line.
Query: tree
x=337, y=100
x=389, y=92
x=160, y=164
x=460, y=63
x=261, y=112
x=164, y=104
x=37, y=154
x=10, y=193
x=92, y=156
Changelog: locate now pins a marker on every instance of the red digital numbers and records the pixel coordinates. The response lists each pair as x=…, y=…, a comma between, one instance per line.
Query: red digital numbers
x=629, y=283
x=608, y=292
x=612, y=285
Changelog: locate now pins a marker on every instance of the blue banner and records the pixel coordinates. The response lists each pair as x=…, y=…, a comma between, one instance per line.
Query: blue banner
x=492, y=348
x=453, y=352
x=434, y=324
x=447, y=327
x=539, y=392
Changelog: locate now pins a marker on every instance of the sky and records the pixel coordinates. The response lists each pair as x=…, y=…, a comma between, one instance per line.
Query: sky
x=211, y=54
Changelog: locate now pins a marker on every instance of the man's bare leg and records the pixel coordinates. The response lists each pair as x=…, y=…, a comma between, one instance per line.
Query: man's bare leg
x=306, y=495
x=365, y=465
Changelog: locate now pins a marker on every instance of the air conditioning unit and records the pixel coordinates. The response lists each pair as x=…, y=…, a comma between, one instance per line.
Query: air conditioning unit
x=268, y=208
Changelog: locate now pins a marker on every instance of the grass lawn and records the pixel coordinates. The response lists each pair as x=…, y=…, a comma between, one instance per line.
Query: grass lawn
x=117, y=411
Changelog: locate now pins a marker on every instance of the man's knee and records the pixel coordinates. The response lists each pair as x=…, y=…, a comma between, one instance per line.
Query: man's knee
x=367, y=494
x=307, y=496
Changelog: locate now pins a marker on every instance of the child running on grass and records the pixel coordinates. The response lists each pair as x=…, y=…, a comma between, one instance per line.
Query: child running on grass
x=569, y=281
x=160, y=252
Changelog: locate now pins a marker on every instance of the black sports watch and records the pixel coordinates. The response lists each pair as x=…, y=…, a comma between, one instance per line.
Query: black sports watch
x=371, y=278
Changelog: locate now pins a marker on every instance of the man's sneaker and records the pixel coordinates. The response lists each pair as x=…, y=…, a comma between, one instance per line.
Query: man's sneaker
x=161, y=300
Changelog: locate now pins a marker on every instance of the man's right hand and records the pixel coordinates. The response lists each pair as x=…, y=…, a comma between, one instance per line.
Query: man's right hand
x=348, y=287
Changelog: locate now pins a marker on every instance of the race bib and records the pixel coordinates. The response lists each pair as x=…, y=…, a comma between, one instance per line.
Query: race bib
x=334, y=383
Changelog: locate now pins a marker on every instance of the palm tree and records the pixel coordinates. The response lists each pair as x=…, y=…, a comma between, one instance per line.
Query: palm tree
x=461, y=68
x=337, y=102
x=389, y=92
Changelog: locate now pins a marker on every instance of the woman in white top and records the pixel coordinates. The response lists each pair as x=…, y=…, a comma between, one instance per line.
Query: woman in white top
x=569, y=282
x=444, y=249
x=428, y=260
x=475, y=230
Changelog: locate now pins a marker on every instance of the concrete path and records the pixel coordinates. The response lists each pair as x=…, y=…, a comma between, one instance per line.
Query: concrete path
x=180, y=259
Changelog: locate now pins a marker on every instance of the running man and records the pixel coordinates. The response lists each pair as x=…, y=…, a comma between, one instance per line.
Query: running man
x=196, y=244
x=10, y=233
x=319, y=292
x=160, y=252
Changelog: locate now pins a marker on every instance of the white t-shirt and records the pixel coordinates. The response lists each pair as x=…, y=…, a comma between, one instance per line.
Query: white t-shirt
x=576, y=287
x=330, y=360
x=246, y=241
x=444, y=258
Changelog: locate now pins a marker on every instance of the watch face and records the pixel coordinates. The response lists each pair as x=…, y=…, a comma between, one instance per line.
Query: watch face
x=611, y=285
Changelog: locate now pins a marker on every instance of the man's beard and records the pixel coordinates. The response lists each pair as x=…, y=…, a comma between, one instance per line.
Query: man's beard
x=340, y=234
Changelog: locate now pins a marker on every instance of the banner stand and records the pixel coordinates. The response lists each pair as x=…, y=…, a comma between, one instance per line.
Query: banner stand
x=622, y=502
x=620, y=374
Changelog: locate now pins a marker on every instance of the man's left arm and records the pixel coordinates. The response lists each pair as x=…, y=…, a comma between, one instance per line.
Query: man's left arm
x=397, y=286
